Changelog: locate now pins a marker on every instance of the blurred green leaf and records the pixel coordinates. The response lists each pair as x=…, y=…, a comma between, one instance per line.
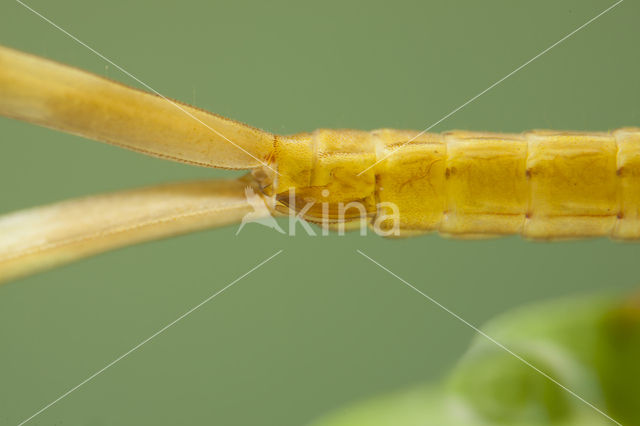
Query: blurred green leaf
x=589, y=345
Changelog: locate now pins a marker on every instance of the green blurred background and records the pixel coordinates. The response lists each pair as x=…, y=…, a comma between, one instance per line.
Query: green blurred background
x=319, y=326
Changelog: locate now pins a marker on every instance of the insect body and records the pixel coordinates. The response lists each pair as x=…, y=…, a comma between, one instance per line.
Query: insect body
x=540, y=184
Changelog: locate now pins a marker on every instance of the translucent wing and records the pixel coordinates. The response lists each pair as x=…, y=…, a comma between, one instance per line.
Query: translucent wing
x=64, y=98
x=39, y=238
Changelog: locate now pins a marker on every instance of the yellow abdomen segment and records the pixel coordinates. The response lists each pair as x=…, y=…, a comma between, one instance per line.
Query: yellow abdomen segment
x=540, y=184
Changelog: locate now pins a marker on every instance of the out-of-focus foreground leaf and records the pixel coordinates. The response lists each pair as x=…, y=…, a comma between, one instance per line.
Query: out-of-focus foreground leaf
x=590, y=345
